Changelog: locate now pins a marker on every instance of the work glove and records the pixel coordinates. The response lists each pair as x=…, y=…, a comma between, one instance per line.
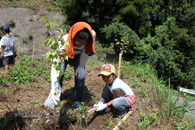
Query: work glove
x=101, y=101
x=80, y=73
x=97, y=105
x=102, y=107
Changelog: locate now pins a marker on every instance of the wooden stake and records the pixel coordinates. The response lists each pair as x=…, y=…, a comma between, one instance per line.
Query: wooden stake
x=33, y=50
x=119, y=65
x=118, y=127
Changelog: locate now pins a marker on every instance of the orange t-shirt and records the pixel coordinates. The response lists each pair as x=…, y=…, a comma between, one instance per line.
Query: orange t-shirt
x=89, y=48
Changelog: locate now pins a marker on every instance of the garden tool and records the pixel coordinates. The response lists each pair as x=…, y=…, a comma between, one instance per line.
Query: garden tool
x=85, y=115
x=118, y=126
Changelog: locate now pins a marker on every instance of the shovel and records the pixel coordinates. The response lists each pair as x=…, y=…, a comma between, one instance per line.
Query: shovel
x=85, y=115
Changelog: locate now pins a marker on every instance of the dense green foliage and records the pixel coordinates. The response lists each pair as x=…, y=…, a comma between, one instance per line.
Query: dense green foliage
x=101, y=13
x=166, y=29
x=171, y=53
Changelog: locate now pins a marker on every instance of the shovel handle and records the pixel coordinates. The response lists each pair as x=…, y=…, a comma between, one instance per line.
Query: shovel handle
x=91, y=111
x=124, y=119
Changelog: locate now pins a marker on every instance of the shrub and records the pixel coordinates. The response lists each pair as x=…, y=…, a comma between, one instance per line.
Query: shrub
x=116, y=30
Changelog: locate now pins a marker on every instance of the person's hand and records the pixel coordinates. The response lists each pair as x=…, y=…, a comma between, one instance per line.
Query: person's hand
x=101, y=107
x=97, y=105
x=80, y=73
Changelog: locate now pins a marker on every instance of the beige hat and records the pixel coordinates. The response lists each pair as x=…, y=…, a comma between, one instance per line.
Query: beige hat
x=107, y=69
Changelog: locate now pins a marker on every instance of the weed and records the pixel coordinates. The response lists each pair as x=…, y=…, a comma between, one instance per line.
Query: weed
x=94, y=98
x=1, y=90
x=91, y=63
x=11, y=23
x=82, y=107
x=134, y=82
x=184, y=125
x=13, y=90
x=24, y=39
x=19, y=73
x=109, y=124
x=143, y=90
x=30, y=36
x=68, y=75
x=146, y=121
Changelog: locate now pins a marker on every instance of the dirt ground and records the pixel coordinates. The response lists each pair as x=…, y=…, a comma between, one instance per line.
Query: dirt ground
x=23, y=108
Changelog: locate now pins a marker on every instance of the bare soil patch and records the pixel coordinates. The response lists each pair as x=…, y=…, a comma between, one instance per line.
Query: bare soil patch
x=23, y=109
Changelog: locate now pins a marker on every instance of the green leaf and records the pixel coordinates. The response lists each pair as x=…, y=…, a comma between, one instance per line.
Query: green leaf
x=48, y=54
x=58, y=91
x=47, y=41
x=47, y=25
x=59, y=31
x=54, y=21
x=43, y=18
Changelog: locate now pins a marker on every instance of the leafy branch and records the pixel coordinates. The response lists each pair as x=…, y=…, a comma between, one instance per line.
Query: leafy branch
x=56, y=44
x=123, y=43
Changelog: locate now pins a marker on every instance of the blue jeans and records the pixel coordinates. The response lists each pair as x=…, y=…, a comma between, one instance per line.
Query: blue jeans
x=1, y=60
x=118, y=103
x=79, y=83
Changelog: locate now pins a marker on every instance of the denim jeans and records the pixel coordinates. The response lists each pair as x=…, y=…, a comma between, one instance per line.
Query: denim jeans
x=1, y=60
x=79, y=83
x=118, y=103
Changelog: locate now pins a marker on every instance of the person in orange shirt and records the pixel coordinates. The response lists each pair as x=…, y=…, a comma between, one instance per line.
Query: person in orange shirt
x=81, y=40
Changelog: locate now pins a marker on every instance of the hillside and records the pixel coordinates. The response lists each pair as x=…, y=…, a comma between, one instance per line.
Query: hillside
x=28, y=29
x=24, y=89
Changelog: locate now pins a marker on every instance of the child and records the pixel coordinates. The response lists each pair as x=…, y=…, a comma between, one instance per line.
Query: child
x=81, y=39
x=7, y=47
x=115, y=93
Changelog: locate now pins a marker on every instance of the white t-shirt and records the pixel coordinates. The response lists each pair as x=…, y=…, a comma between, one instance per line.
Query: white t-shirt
x=119, y=84
x=8, y=42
